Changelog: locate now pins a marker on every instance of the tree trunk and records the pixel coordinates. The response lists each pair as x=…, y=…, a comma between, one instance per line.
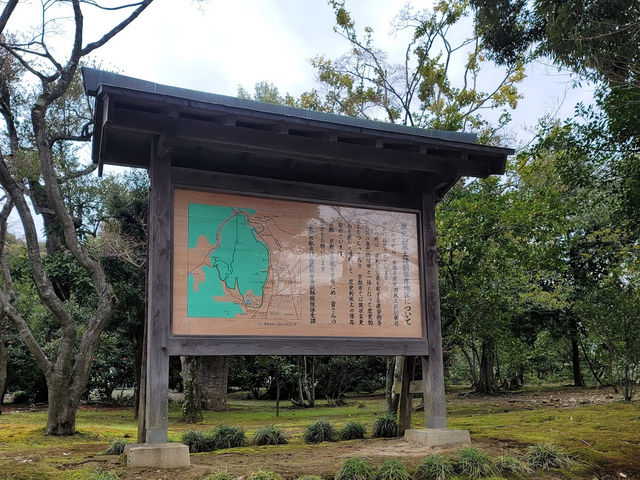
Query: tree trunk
x=4, y=360
x=472, y=367
x=397, y=381
x=213, y=376
x=388, y=386
x=578, y=380
x=192, y=403
x=486, y=382
x=278, y=391
x=61, y=408
x=300, y=360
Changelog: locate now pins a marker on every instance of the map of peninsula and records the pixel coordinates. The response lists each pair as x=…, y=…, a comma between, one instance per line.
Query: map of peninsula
x=228, y=262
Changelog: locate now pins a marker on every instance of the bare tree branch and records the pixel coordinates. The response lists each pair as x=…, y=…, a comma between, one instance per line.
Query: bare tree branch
x=6, y=13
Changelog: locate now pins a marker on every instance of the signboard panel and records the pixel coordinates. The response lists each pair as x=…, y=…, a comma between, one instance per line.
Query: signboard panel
x=266, y=267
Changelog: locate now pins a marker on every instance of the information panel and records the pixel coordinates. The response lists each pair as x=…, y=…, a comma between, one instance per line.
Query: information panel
x=260, y=266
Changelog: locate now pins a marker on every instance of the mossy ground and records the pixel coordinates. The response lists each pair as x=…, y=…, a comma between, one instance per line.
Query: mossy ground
x=603, y=435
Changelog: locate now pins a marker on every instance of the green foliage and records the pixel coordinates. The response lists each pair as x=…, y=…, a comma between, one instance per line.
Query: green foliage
x=434, y=467
x=116, y=447
x=385, y=427
x=392, y=469
x=474, y=462
x=310, y=477
x=507, y=464
x=545, y=455
x=264, y=475
x=352, y=431
x=198, y=441
x=269, y=435
x=320, y=431
x=355, y=469
x=225, y=436
x=220, y=476
x=104, y=475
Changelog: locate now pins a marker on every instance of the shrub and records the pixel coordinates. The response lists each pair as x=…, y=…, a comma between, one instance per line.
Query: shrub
x=198, y=441
x=224, y=436
x=474, y=463
x=434, y=467
x=385, y=427
x=543, y=456
x=264, y=475
x=352, y=431
x=392, y=469
x=270, y=435
x=116, y=447
x=220, y=476
x=20, y=396
x=320, y=431
x=104, y=475
x=508, y=464
x=355, y=469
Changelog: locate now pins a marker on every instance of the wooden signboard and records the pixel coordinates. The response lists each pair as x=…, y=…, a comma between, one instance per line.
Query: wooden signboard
x=244, y=265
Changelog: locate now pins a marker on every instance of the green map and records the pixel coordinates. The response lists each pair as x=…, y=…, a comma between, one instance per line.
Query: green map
x=232, y=262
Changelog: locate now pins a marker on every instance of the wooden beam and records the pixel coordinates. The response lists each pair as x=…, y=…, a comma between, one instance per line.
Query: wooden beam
x=159, y=310
x=259, y=141
x=435, y=410
x=406, y=398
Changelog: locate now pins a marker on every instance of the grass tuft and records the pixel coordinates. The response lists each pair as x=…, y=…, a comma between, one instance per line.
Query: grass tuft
x=434, y=467
x=392, y=469
x=385, y=427
x=269, y=435
x=104, y=475
x=545, y=455
x=355, y=469
x=512, y=465
x=310, y=477
x=220, y=476
x=116, y=447
x=198, y=442
x=320, y=431
x=352, y=431
x=264, y=475
x=474, y=462
x=225, y=436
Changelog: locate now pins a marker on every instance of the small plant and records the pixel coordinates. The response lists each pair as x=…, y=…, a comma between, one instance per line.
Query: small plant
x=270, y=435
x=310, y=477
x=116, y=447
x=434, y=467
x=355, y=469
x=264, y=475
x=20, y=396
x=509, y=464
x=224, y=436
x=392, y=469
x=385, y=427
x=220, y=476
x=320, y=431
x=544, y=456
x=198, y=441
x=352, y=431
x=474, y=463
x=104, y=475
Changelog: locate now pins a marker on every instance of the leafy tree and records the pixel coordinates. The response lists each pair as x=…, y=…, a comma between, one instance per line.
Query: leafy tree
x=33, y=163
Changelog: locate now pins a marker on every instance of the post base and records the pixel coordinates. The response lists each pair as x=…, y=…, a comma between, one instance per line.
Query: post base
x=159, y=455
x=438, y=437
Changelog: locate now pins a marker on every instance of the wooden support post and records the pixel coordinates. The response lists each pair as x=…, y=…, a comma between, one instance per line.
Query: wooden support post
x=435, y=410
x=158, y=313
x=405, y=403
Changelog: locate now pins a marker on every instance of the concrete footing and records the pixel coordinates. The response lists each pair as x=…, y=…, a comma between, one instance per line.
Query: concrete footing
x=438, y=437
x=160, y=455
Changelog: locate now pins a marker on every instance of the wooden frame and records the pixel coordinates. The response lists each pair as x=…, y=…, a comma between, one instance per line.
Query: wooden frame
x=199, y=140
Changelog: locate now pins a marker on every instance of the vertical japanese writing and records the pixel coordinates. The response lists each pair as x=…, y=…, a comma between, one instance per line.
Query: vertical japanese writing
x=332, y=275
x=405, y=273
x=312, y=274
x=367, y=261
